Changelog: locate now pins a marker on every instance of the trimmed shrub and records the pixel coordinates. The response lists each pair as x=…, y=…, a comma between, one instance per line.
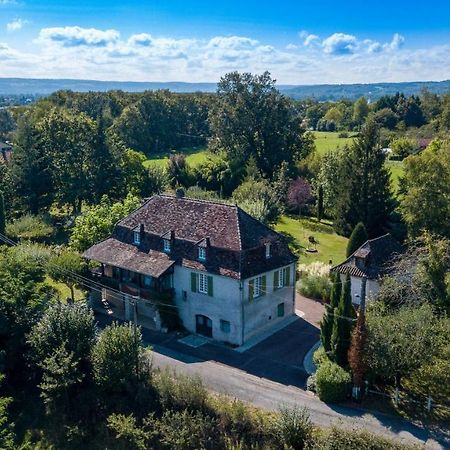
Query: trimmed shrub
x=333, y=382
x=293, y=427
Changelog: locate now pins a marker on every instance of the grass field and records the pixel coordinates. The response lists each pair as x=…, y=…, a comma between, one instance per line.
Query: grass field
x=194, y=157
x=327, y=140
x=396, y=168
x=330, y=245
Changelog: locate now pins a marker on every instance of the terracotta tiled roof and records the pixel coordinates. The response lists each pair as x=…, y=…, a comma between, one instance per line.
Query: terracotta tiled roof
x=371, y=259
x=127, y=256
x=234, y=241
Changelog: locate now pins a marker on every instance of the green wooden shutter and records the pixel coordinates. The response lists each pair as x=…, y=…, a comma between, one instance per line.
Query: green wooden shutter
x=288, y=276
x=275, y=280
x=251, y=290
x=210, y=286
x=263, y=285
x=193, y=282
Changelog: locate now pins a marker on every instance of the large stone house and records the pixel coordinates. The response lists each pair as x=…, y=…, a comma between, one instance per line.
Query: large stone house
x=368, y=265
x=230, y=276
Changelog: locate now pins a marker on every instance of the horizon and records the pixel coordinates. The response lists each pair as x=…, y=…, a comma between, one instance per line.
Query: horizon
x=197, y=42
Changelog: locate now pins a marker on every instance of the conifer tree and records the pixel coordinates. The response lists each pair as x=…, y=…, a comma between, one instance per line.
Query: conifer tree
x=326, y=325
x=366, y=195
x=344, y=316
x=2, y=214
x=320, y=203
x=357, y=238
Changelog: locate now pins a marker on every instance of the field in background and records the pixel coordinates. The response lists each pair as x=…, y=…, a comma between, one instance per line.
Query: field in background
x=330, y=245
x=329, y=140
x=194, y=157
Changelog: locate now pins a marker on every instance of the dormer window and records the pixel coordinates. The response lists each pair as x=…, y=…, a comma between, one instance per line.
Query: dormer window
x=268, y=250
x=136, y=237
x=202, y=254
x=167, y=245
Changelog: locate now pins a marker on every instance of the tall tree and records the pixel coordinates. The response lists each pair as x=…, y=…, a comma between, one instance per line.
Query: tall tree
x=356, y=353
x=360, y=111
x=68, y=140
x=357, y=238
x=344, y=316
x=320, y=203
x=366, y=196
x=102, y=171
x=299, y=194
x=30, y=174
x=251, y=117
x=425, y=200
x=2, y=214
x=326, y=325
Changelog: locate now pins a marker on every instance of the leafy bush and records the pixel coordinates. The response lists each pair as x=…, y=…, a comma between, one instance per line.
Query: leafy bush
x=311, y=384
x=30, y=227
x=319, y=356
x=179, y=392
x=343, y=134
x=293, y=427
x=332, y=382
x=344, y=439
x=314, y=281
x=98, y=222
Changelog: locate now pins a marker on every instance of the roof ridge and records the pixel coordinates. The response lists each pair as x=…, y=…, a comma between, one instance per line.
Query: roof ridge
x=238, y=226
x=199, y=200
x=379, y=237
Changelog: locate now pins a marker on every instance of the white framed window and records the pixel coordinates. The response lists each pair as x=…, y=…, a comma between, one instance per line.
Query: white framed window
x=257, y=292
x=167, y=245
x=202, y=254
x=282, y=277
x=268, y=250
x=136, y=237
x=202, y=283
x=225, y=326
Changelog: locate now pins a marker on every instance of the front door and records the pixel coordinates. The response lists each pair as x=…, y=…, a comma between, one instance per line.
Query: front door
x=203, y=325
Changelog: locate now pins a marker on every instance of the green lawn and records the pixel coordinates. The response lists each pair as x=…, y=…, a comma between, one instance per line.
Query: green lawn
x=194, y=157
x=327, y=140
x=63, y=290
x=330, y=245
x=396, y=168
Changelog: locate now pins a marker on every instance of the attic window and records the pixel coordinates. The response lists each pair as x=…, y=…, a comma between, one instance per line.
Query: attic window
x=268, y=250
x=201, y=254
x=167, y=245
x=136, y=237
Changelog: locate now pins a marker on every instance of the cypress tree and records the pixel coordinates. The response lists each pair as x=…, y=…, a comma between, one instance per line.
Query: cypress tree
x=357, y=238
x=2, y=214
x=320, y=203
x=342, y=326
x=326, y=325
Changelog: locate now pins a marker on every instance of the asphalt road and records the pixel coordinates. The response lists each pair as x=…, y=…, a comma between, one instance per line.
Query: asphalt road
x=270, y=395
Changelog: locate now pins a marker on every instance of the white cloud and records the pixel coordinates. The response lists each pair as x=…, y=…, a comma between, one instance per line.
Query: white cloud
x=8, y=2
x=16, y=25
x=396, y=43
x=310, y=40
x=77, y=36
x=104, y=54
x=340, y=44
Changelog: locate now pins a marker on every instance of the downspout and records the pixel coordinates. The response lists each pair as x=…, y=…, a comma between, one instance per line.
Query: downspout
x=241, y=288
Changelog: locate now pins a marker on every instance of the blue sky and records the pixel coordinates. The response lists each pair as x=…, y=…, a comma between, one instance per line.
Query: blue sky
x=298, y=42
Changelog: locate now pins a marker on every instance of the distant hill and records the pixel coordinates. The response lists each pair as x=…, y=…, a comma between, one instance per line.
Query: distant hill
x=19, y=86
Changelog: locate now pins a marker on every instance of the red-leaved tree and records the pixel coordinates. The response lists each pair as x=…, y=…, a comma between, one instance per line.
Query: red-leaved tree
x=299, y=193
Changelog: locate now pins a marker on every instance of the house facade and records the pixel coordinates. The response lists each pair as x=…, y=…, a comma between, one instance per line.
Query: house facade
x=228, y=276
x=367, y=266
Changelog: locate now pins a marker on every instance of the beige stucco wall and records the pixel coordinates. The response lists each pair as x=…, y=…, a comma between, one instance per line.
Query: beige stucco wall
x=230, y=302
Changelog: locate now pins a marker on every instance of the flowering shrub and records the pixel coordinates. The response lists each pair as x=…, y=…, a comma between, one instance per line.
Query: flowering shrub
x=314, y=281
